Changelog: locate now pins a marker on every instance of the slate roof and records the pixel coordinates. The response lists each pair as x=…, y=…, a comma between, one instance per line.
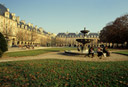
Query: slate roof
x=61, y=34
x=76, y=35
x=3, y=9
x=45, y=32
x=71, y=34
x=96, y=34
x=81, y=34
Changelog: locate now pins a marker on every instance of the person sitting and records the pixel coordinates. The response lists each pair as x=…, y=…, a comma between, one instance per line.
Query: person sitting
x=91, y=52
x=99, y=52
x=105, y=50
x=78, y=47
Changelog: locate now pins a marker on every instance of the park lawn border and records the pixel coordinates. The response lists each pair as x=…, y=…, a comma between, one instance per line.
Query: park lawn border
x=122, y=52
x=35, y=52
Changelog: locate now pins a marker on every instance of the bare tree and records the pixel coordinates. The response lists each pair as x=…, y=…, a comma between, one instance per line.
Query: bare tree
x=33, y=36
x=7, y=31
x=20, y=35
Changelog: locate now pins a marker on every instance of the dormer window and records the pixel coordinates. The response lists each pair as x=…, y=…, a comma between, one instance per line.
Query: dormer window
x=22, y=26
x=13, y=18
x=18, y=26
x=7, y=14
x=25, y=27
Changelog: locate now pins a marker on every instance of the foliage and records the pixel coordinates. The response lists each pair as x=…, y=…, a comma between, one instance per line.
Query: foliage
x=62, y=73
x=3, y=44
x=116, y=32
x=36, y=52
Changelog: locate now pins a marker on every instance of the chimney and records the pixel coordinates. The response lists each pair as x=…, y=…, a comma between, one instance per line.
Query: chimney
x=23, y=21
x=18, y=19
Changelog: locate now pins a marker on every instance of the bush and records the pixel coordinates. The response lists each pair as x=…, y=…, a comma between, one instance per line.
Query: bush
x=3, y=44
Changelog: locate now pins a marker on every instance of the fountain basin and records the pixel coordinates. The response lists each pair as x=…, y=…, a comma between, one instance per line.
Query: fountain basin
x=74, y=52
x=84, y=31
x=80, y=47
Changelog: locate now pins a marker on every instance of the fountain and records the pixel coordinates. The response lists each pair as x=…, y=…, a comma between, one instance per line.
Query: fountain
x=83, y=41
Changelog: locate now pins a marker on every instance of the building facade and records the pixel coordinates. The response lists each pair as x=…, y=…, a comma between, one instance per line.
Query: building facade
x=18, y=32
x=69, y=39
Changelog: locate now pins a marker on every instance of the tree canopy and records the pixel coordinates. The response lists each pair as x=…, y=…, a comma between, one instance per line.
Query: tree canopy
x=116, y=31
x=3, y=44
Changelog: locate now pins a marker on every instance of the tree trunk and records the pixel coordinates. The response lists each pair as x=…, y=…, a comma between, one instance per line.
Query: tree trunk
x=127, y=45
x=112, y=45
x=106, y=44
x=117, y=46
x=122, y=45
x=109, y=45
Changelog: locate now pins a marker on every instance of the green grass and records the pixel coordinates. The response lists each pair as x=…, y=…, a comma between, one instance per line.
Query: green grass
x=36, y=52
x=62, y=73
x=122, y=52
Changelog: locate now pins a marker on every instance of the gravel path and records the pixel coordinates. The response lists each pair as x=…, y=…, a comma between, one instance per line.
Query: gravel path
x=60, y=55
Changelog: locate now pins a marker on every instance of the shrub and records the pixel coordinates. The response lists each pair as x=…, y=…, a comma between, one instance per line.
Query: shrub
x=3, y=44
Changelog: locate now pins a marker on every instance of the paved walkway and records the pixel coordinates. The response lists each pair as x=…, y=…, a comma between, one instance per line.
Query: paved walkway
x=60, y=55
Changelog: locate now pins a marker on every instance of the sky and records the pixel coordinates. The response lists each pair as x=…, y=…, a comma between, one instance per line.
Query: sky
x=57, y=16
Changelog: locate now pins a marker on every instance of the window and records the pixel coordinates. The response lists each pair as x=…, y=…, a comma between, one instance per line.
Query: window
x=25, y=27
x=22, y=26
x=18, y=26
x=7, y=14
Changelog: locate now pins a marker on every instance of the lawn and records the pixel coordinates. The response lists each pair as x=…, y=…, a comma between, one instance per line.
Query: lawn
x=63, y=73
x=36, y=52
x=122, y=52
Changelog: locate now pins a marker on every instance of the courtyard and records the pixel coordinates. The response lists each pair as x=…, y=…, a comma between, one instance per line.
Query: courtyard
x=43, y=43
x=61, y=55
x=54, y=68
